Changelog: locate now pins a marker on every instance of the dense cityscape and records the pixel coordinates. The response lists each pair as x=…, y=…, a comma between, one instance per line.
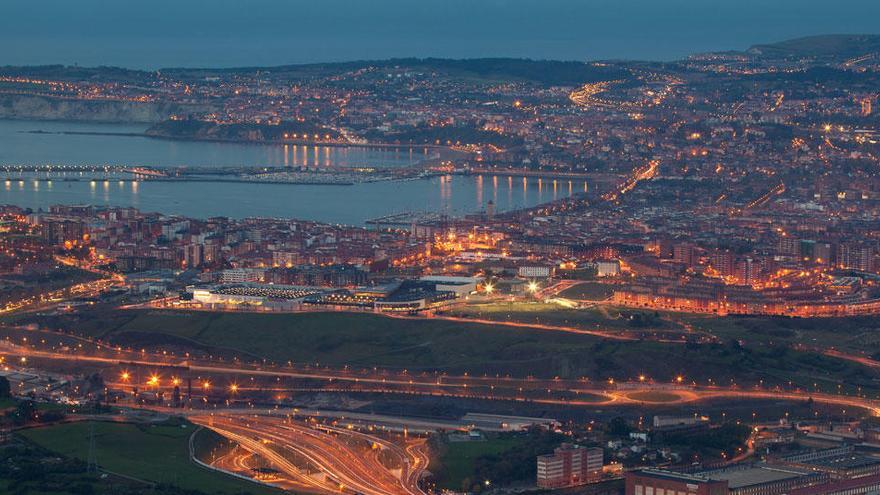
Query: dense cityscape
x=691, y=309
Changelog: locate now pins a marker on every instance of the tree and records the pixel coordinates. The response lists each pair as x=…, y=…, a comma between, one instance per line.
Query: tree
x=619, y=426
x=5, y=388
x=24, y=412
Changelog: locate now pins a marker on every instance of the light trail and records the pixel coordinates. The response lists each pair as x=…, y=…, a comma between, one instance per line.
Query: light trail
x=531, y=326
x=344, y=456
x=539, y=391
x=646, y=172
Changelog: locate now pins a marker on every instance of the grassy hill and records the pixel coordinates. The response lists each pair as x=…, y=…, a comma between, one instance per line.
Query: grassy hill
x=367, y=340
x=834, y=46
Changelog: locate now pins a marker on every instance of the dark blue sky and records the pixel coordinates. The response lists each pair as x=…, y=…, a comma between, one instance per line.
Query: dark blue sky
x=163, y=33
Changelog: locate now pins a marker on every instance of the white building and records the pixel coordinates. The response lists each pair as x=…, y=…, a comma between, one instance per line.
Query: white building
x=242, y=275
x=535, y=271
x=608, y=268
x=462, y=286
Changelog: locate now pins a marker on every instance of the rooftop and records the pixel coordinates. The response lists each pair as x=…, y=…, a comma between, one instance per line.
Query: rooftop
x=754, y=475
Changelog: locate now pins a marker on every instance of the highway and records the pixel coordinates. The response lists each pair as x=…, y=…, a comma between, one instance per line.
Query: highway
x=353, y=457
x=288, y=379
x=320, y=458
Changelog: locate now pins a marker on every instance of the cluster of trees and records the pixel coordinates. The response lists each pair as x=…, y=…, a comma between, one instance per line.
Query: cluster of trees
x=513, y=465
x=5, y=388
x=725, y=438
x=26, y=412
x=641, y=319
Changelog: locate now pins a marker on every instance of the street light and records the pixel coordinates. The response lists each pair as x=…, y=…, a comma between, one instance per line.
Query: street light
x=489, y=288
x=533, y=286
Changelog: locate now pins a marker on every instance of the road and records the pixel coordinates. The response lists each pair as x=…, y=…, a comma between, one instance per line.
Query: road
x=321, y=458
x=58, y=297
x=288, y=379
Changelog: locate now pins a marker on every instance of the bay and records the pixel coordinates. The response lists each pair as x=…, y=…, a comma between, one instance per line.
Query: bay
x=65, y=143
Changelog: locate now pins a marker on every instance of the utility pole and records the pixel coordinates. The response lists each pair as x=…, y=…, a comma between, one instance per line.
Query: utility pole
x=91, y=463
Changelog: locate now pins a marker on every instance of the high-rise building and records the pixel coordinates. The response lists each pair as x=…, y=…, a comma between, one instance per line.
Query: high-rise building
x=684, y=253
x=723, y=263
x=569, y=465
x=193, y=255
x=747, y=271
x=855, y=256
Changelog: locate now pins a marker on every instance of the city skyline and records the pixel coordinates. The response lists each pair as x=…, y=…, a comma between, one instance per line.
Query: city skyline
x=598, y=248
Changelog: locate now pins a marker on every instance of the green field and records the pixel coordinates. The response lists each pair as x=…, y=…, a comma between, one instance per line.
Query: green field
x=458, y=458
x=367, y=340
x=591, y=291
x=152, y=453
x=654, y=396
x=856, y=334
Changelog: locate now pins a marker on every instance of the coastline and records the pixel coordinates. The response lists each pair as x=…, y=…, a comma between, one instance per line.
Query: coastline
x=292, y=142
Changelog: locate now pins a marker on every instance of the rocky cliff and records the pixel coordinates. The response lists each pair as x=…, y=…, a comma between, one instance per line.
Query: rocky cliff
x=46, y=108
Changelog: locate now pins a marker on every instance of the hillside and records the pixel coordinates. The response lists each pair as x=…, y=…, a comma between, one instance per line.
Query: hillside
x=548, y=72
x=832, y=46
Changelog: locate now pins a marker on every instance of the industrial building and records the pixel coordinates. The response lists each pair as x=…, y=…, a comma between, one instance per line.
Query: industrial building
x=661, y=482
x=401, y=296
x=764, y=479
x=839, y=463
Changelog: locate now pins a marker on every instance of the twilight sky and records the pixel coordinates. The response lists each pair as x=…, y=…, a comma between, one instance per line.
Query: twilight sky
x=224, y=33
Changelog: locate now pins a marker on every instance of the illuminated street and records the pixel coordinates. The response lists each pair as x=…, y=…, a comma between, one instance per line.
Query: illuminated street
x=322, y=459
x=540, y=391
